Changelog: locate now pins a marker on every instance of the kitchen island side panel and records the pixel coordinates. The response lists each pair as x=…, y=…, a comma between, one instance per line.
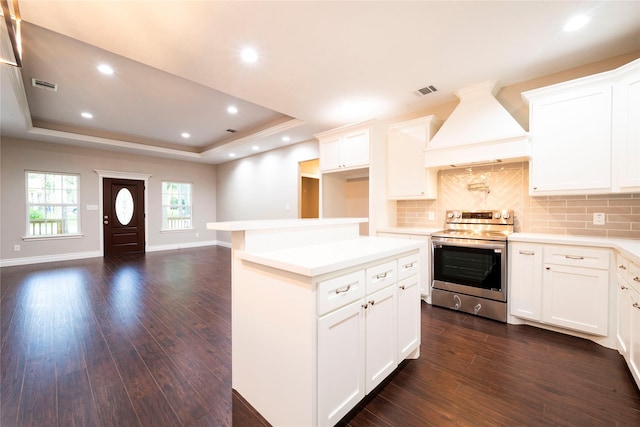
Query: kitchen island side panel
x=273, y=352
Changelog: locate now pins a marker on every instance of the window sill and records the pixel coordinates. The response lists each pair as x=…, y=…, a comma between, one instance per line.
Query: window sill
x=55, y=237
x=179, y=230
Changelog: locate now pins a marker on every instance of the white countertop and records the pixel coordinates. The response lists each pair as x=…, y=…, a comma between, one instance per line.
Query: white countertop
x=267, y=224
x=314, y=260
x=628, y=247
x=409, y=230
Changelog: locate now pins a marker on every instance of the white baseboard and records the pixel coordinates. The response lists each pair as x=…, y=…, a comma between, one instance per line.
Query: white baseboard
x=94, y=254
x=172, y=247
x=48, y=258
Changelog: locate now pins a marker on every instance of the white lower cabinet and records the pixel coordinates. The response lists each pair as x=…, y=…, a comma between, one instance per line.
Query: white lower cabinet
x=381, y=336
x=576, y=298
x=341, y=362
x=525, y=278
x=408, y=317
x=363, y=336
x=564, y=286
x=628, y=319
x=634, y=335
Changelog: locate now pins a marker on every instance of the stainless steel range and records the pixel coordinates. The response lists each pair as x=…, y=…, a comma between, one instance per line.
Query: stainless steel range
x=469, y=268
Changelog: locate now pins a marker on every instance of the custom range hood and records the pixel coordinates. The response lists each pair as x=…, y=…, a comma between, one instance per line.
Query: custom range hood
x=478, y=131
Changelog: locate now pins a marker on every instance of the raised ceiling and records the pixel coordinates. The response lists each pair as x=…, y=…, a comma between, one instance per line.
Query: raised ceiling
x=321, y=65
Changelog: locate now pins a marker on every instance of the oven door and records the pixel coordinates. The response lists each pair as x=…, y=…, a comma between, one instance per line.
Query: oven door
x=471, y=267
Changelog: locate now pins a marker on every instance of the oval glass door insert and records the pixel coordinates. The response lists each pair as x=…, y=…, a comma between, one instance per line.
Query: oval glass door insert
x=124, y=206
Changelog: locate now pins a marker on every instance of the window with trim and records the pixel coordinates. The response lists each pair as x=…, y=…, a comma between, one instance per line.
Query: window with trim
x=176, y=206
x=52, y=204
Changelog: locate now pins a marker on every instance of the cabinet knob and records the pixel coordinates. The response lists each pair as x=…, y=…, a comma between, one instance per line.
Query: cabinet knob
x=547, y=268
x=365, y=305
x=636, y=279
x=402, y=287
x=372, y=302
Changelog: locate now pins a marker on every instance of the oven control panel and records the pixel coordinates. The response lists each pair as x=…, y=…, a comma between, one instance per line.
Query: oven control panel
x=480, y=217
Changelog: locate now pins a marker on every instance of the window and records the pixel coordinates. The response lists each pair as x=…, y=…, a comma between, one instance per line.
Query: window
x=176, y=206
x=52, y=204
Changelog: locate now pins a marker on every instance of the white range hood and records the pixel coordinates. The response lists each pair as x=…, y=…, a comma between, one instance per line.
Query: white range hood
x=478, y=131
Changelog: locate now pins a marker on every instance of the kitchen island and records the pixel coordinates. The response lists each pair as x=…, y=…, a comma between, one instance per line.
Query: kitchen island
x=320, y=315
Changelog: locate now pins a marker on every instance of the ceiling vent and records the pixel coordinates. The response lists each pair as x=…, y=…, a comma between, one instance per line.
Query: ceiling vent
x=44, y=85
x=427, y=90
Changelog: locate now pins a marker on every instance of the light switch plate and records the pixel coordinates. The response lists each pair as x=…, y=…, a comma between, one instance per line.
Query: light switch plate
x=598, y=218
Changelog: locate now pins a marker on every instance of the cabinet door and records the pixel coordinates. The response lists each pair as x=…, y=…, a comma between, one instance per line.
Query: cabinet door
x=571, y=148
x=624, y=306
x=381, y=336
x=525, y=281
x=408, y=317
x=407, y=177
x=626, y=134
x=355, y=148
x=341, y=362
x=330, y=158
x=576, y=298
x=634, y=335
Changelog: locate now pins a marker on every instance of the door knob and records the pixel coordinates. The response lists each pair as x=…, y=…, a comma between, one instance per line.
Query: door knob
x=106, y=222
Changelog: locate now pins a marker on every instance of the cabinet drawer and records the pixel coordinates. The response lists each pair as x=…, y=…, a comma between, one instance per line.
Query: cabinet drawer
x=634, y=276
x=622, y=266
x=381, y=275
x=340, y=291
x=408, y=266
x=576, y=257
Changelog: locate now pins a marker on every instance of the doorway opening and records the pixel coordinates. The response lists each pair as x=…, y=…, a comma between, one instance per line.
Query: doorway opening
x=309, y=189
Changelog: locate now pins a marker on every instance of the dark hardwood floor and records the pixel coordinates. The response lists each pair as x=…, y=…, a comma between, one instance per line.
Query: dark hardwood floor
x=145, y=340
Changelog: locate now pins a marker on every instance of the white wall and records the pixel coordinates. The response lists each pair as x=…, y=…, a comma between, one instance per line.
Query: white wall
x=18, y=156
x=261, y=186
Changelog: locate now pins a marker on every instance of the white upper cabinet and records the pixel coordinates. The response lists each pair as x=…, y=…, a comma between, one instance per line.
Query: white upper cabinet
x=407, y=177
x=626, y=133
x=344, y=151
x=584, y=137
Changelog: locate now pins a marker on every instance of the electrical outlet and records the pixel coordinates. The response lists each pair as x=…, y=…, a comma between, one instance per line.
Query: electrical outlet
x=431, y=216
x=16, y=248
x=598, y=218
x=197, y=234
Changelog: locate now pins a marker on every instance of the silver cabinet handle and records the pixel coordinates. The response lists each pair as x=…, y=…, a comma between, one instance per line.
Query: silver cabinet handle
x=573, y=257
x=382, y=275
x=372, y=302
x=365, y=305
x=527, y=253
x=343, y=289
x=636, y=279
x=407, y=266
x=402, y=287
x=622, y=267
x=623, y=287
x=636, y=305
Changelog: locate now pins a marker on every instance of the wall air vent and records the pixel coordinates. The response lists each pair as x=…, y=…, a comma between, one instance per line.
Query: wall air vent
x=44, y=85
x=232, y=130
x=427, y=90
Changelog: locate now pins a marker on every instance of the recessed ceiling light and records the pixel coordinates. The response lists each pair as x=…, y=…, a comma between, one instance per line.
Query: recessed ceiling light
x=232, y=110
x=286, y=139
x=255, y=148
x=87, y=115
x=105, y=69
x=232, y=154
x=249, y=55
x=576, y=23
x=185, y=134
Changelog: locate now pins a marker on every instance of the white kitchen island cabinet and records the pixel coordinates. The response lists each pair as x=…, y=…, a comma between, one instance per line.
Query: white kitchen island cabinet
x=315, y=315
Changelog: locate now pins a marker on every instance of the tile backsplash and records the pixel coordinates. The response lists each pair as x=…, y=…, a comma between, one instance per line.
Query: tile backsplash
x=506, y=186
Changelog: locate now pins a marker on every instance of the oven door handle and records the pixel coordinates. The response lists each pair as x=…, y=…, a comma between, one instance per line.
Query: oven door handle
x=497, y=247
